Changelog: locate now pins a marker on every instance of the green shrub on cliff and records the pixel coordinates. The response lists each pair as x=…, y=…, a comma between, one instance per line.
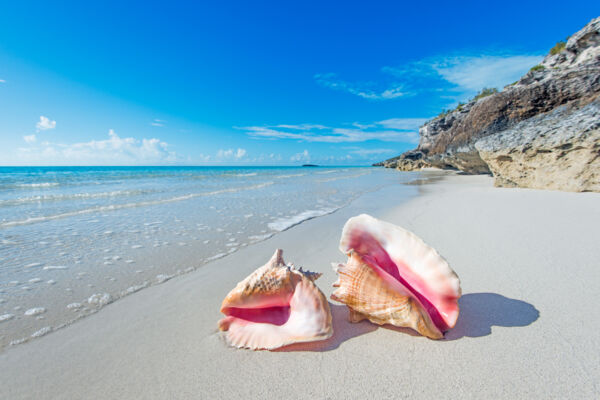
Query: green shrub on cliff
x=537, y=68
x=443, y=114
x=558, y=47
x=484, y=93
x=481, y=94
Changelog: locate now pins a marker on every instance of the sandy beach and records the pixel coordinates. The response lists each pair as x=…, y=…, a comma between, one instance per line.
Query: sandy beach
x=528, y=327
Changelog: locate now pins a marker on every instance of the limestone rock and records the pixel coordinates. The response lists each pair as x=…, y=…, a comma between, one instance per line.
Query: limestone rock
x=558, y=151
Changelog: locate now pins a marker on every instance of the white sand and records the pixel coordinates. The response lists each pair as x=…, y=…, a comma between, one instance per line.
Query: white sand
x=529, y=326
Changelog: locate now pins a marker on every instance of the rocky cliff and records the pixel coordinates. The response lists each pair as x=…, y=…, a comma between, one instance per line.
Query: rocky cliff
x=540, y=132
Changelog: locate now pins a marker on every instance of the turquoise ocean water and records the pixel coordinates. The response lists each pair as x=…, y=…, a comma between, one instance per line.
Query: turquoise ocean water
x=73, y=239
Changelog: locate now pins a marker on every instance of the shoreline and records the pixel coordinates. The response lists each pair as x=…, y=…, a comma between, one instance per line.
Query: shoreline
x=185, y=264
x=172, y=222
x=512, y=248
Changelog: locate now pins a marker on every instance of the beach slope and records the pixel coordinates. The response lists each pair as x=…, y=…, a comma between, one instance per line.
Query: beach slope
x=528, y=327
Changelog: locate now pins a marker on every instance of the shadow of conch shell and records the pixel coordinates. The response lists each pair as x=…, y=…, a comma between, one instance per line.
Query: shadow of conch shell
x=481, y=311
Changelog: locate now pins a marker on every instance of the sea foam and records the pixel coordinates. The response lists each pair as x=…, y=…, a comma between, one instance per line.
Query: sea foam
x=285, y=223
x=35, y=311
x=99, y=299
x=45, y=330
x=112, y=207
x=6, y=317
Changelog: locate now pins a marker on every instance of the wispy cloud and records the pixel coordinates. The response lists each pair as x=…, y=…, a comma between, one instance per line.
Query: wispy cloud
x=402, y=123
x=301, y=157
x=29, y=138
x=44, y=124
x=158, y=122
x=202, y=158
x=468, y=73
x=474, y=73
x=361, y=89
x=302, y=127
x=2, y=81
x=459, y=75
x=392, y=130
x=366, y=153
x=112, y=151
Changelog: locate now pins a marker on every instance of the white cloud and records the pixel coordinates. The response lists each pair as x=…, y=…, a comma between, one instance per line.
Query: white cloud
x=474, y=73
x=240, y=153
x=362, y=126
x=44, y=124
x=368, y=152
x=391, y=130
x=201, y=158
x=403, y=123
x=465, y=73
x=29, y=138
x=229, y=154
x=2, y=81
x=301, y=127
x=461, y=75
x=225, y=153
x=361, y=89
x=158, y=122
x=112, y=151
x=301, y=157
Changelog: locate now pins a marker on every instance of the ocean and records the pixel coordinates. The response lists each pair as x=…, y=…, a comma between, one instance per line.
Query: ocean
x=73, y=239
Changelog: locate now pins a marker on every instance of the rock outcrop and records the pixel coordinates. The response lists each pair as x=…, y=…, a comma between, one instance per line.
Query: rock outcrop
x=559, y=151
x=540, y=132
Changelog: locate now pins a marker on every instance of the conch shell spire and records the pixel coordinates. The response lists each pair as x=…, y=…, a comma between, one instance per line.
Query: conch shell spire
x=276, y=261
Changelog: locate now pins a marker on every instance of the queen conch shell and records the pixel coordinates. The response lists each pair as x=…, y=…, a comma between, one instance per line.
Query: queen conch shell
x=393, y=277
x=275, y=306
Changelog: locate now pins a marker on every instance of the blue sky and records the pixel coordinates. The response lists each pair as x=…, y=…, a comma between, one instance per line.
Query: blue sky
x=252, y=83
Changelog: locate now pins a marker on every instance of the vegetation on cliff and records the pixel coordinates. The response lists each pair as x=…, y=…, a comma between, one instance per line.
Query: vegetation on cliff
x=558, y=47
x=481, y=94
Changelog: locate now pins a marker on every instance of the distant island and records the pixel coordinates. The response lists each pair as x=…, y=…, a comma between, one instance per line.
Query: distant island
x=540, y=132
x=309, y=165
